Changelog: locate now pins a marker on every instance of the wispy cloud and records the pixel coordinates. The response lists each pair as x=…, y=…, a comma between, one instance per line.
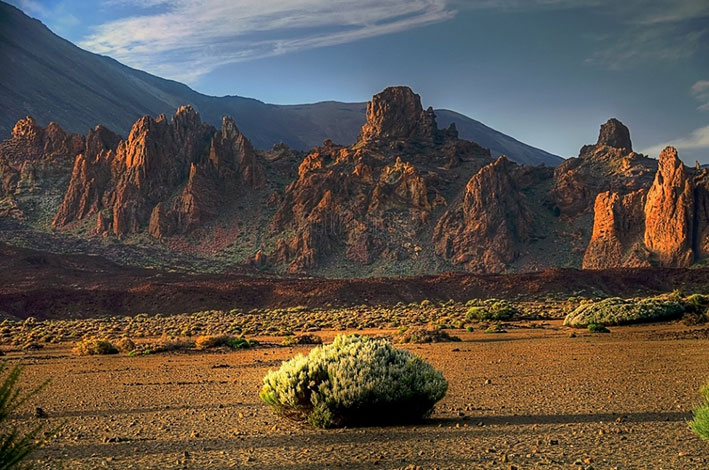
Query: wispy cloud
x=655, y=30
x=189, y=38
x=700, y=91
x=185, y=39
x=698, y=139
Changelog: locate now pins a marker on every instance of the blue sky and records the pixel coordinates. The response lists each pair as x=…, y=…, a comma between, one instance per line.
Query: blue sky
x=547, y=72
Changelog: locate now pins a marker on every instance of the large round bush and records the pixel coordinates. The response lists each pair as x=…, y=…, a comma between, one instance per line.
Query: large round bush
x=616, y=311
x=354, y=381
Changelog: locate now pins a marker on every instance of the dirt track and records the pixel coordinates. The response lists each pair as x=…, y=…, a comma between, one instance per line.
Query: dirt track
x=619, y=400
x=46, y=285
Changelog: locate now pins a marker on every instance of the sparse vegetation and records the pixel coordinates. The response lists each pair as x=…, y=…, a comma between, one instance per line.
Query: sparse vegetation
x=421, y=335
x=215, y=341
x=354, y=381
x=15, y=446
x=94, y=346
x=617, y=311
x=494, y=328
x=700, y=422
x=494, y=309
x=598, y=328
x=293, y=340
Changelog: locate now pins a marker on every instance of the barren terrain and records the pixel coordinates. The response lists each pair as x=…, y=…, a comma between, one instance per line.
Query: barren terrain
x=530, y=398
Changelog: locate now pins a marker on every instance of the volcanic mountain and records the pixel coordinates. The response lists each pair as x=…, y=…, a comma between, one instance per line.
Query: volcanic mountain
x=51, y=79
x=407, y=197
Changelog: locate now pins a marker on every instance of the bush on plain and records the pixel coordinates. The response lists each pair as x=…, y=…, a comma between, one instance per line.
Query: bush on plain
x=356, y=380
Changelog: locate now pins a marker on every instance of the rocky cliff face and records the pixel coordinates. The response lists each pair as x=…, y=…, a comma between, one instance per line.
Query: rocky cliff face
x=406, y=198
x=134, y=184
x=653, y=226
x=34, y=164
x=489, y=228
x=372, y=199
x=669, y=213
x=618, y=225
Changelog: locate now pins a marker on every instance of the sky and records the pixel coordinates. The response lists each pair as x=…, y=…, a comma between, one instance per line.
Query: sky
x=547, y=72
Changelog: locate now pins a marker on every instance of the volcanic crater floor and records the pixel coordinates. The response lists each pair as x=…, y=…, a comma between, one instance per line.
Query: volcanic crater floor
x=529, y=398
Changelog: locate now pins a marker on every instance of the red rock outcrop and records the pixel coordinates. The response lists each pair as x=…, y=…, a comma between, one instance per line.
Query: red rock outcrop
x=136, y=178
x=669, y=213
x=617, y=238
x=35, y=163
x=90, y=177
x=396, y=114
x=370, y=200
x=488, y=229
x=615, y=134
x=30, y=142
x=654, y=226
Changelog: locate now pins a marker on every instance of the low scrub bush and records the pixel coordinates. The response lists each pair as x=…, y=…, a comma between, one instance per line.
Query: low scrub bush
x=494, y=328
x=617, y=311
x=354, y=381
x=94, y=346
x=215, y=341
x=301, y=339
x=598, y=328
x=125, y=345
x=239, y=342
x=494, y=310
x=422, y=334
x=700, y=421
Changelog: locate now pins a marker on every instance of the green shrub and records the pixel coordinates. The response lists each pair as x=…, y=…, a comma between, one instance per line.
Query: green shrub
x=598, y=328
x=616, y=311
x=215, y=341
x=301, y=339
x=354, y=381
x=94, y=346
x=476, y=313
x=697, y=304
x=422, y=334
x=241, y=343
x=15, y=447
x=700, y=421
x=495, y=310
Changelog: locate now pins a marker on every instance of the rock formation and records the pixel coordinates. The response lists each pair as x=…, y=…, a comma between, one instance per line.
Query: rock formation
x=136, y=178
x=653, y=226
x=34, y=164
x=669, y=213
x=371, y=199
x=406, y=198
x=618, y=225
x=488, y=229
x=615, y=134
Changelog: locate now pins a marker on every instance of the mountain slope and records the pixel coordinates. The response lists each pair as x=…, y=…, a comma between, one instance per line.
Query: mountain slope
x=51, y=79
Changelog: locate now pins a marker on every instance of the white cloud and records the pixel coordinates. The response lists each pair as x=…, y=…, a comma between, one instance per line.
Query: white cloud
x=698, y=139
x=190, y=38
x=700, y=91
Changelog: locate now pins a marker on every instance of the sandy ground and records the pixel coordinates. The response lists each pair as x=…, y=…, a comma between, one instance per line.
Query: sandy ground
x=530, y=398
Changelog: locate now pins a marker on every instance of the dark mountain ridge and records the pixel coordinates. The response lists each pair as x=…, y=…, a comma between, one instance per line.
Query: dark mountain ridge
x=52, y=80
